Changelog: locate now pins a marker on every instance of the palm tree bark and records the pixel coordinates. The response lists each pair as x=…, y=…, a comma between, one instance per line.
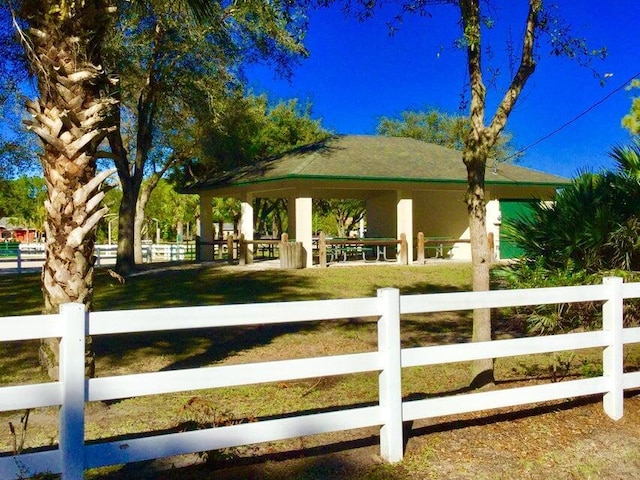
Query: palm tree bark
x=71, y=117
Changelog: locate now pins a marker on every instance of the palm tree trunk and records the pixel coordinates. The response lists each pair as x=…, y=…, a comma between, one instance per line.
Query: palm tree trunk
x=71, y=118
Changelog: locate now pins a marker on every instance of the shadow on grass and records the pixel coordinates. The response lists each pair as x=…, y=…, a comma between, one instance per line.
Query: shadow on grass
x=21, y=294
x=330, y=459
x=196, y=286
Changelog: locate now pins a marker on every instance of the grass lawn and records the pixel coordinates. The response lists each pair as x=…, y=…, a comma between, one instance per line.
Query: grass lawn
x=510, y=443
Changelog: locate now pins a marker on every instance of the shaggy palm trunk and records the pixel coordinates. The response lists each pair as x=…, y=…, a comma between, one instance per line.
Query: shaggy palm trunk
x=70, y=119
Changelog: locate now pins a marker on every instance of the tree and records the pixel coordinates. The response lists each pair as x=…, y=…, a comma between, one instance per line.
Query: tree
x=172, y=211
x=173, y=76
x=23, y=200
x=604, y=235
x=475, y=18
x=249, y=129
x=71, y=117
x=347, y=213
x=631, y=121
x=63, y=43
x=18, y=148
x=441, y=128
x=246, y=129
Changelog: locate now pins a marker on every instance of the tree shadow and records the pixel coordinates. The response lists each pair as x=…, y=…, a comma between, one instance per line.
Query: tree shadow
x=21, y=294
x=196, y=287
x=332, y=458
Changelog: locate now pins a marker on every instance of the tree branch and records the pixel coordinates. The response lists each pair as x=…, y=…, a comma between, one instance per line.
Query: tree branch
x=525, y=70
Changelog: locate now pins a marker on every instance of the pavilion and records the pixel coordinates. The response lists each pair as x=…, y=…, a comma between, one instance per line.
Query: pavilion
x=409, y=186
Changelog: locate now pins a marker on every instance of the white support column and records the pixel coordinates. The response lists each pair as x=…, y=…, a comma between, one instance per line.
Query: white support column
x=390, y=380
x=303, y=214
x=206, y=227
x=246, y=224
x=612, y=356
x=405, y=221
x=72, y=383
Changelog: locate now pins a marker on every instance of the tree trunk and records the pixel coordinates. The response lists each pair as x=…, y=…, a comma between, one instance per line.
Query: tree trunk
x=481, y=257
x=125, y=261
x=478, y=143
x=143, y=199
x=71, y=117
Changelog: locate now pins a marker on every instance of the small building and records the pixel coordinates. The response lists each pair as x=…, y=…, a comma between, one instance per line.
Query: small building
x=17, y=233
x=409, y=186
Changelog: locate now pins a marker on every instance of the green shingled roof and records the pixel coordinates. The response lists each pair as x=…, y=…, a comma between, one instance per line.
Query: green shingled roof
x=372, y=158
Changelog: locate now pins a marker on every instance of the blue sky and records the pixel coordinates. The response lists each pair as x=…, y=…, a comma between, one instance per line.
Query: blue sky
x=357, y=73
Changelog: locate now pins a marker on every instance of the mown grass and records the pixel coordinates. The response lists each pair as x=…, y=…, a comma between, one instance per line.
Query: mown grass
x=198, y=285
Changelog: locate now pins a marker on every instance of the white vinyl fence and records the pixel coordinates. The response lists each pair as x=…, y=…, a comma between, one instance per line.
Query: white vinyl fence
x=72, y=455
x=32, y=255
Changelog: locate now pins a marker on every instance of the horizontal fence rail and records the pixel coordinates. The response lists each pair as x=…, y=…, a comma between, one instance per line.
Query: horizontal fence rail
x=73, y=455
x=29, y=256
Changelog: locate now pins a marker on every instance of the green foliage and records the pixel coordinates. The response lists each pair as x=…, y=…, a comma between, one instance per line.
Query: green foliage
x=170, y=209
x=432, y=126
x=248, y=129
x=592, y=230
x=441, y=128
x=22, y=199
x=551, y=319
x=345, y=215
x=593, y=224
x=631, y=121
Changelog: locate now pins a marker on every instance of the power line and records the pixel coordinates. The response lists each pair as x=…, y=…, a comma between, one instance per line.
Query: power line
x=580, y=115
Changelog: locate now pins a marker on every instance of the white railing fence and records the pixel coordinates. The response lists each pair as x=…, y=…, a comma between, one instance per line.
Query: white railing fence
x=32, y=255
x=72, y=455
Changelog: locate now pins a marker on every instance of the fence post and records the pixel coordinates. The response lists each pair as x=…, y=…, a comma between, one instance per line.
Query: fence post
x=72, y=359
x=420, y=252
x=390, y=384
x=242, y=250
x=404, y=249
x=322, y=250
x=230, y=248
x=98, y=255
x=612, y=356
x=19, y=261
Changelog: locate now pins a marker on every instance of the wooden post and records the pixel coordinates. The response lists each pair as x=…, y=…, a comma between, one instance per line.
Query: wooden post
x=404, y=250
x=322, y=250
x=492, y=246
x=421, y=260
x=242, y=250
x=230, y=241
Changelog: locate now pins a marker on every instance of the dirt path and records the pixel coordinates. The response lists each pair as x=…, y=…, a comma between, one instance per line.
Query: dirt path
x=566, y=440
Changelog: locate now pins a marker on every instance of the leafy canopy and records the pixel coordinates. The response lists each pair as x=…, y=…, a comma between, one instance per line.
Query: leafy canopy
x=441, y=128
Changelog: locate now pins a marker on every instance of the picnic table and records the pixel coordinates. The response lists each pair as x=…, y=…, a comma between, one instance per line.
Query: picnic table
x=440, y=245
x=340, y=249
